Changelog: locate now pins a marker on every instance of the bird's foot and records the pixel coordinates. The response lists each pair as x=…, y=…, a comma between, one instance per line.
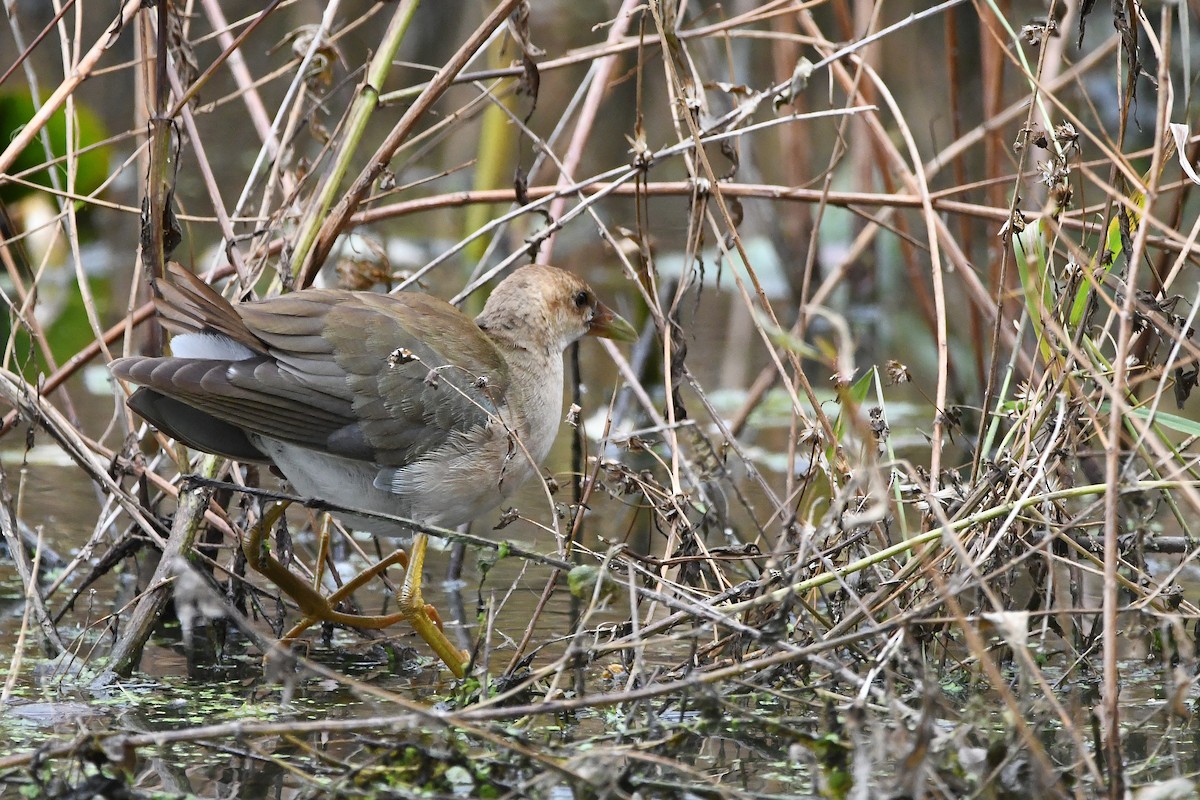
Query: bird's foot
x=423, y=617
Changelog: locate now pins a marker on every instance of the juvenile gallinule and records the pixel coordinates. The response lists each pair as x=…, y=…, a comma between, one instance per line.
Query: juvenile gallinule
x=398, y=404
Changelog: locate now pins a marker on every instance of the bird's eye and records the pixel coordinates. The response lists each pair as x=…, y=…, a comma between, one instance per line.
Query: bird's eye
x=582, y=299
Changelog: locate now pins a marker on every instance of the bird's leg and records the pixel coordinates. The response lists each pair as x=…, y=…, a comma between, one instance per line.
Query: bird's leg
x=311, y=602
x=423, y=617
x=316, y=607
x=353, y=585
x=322, y=550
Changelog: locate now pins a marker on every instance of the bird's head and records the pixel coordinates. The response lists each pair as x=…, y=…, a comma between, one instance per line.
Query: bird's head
x=544, y=307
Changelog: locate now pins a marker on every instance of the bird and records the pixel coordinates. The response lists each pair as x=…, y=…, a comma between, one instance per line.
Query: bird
x=398, y=404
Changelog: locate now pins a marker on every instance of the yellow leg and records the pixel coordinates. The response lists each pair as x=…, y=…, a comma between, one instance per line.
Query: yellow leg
x=350, y=587
x=322, y=550
x=316, y=607
x=423, y=617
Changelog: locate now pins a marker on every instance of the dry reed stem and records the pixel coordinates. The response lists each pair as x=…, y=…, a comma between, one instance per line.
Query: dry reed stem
x=882, y=554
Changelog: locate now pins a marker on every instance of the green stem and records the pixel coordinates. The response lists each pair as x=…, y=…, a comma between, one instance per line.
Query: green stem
x=356, y=123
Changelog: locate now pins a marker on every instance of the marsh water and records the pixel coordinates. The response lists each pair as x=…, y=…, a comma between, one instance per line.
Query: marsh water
x=214, y=676
x=207, y=713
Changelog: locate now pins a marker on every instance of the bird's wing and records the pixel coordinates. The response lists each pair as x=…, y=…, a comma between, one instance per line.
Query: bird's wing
x=420, y=371
x=370, y=377
x=252, y=394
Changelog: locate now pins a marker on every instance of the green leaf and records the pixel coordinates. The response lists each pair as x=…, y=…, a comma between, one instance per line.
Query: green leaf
x=1174, y=422
x=857, y=394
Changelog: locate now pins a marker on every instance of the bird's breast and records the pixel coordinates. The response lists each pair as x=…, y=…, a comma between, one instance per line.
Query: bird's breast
x=457, y=483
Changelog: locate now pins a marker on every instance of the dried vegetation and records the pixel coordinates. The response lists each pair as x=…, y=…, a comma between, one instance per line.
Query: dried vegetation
x=896, y=498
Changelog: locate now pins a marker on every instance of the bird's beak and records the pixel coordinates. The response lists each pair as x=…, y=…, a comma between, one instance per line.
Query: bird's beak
x=607, y=324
